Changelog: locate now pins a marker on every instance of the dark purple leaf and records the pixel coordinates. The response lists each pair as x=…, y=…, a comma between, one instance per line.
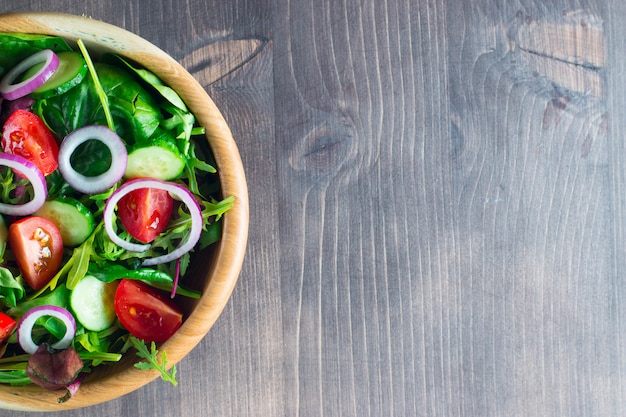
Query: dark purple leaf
x=52, y=369
x=9, y=106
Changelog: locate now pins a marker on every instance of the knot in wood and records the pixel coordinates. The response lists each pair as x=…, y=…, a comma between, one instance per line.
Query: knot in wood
x=324, y=149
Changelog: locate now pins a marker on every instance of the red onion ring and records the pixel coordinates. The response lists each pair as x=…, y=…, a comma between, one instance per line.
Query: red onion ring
x=99, y=183
x=25, y=327
x=177, y=191
x=32, y=174
x=12, y=91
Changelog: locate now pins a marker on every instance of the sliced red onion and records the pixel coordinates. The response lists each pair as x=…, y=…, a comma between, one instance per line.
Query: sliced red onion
x=178, y=192
x=176, y=279
x=25, y=327
x=98, y=183
x=12, y=91
x=72, y=389
x=32, y=174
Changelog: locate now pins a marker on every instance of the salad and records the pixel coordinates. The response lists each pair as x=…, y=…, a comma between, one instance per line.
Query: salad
x=104, y=196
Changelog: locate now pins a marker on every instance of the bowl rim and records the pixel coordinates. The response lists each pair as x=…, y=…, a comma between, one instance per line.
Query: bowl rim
x=229, y=251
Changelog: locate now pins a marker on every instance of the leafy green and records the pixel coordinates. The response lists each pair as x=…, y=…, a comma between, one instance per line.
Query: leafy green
x=91, y=158
x=50, y=326
x=102, y=96
x=15, y=47
x=10, y=185
x=193, y=165
x=178, y=120
x=152, y=80
x=80, y=257
x=133, y=110
x=153, y=361
x=97, y=347
x=109, y=272
x=212, y=234
x=75, y=268
x=181, y=123
x=16, y=378
x=11, y=291
x=58, y=297
x=57, y=186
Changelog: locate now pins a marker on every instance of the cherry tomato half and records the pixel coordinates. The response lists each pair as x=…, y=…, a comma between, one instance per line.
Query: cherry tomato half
x=145, y=212
x=7, y=324
x=38, y=248
x=145, y=312
x=25, y=134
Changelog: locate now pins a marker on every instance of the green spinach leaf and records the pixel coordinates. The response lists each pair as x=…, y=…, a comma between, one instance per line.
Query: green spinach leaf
x=108, y=272
x=135, y=113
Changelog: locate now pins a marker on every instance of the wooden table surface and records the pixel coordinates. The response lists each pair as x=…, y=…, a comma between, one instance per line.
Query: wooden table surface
x=438, y=218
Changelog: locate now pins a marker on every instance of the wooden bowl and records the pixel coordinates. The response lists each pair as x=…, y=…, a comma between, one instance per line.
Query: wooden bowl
x=215, y=273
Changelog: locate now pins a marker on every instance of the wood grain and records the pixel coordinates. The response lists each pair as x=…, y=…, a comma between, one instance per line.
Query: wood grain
x=437, y=206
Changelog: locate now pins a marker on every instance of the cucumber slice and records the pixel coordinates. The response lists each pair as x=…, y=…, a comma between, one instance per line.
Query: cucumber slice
x=92, y=302
x=71, y=217
x=160, y=159
x=71, y=71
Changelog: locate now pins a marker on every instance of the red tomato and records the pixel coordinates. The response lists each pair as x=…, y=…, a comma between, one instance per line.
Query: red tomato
x=7, y=324
x=25, y=134
x=38, y=249
x=145, y=212
x=145, y=312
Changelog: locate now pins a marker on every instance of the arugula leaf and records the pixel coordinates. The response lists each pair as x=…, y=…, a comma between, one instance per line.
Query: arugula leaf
x=57, y=186
x=194, y=164
x=75, y=267
x=16, y=378
x=12, y=188
x=153, y=361
x=181, y=123
x=58, y=297
x=102, y=96
x=11, y=291
x=98, y=347
x=93, y=348
x=80, y=261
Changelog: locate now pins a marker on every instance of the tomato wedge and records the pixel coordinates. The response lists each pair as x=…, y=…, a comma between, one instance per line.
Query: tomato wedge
x=7, y=324
x=145, y=312
x=145, y=212
x=25, y=134
x=38, y=248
